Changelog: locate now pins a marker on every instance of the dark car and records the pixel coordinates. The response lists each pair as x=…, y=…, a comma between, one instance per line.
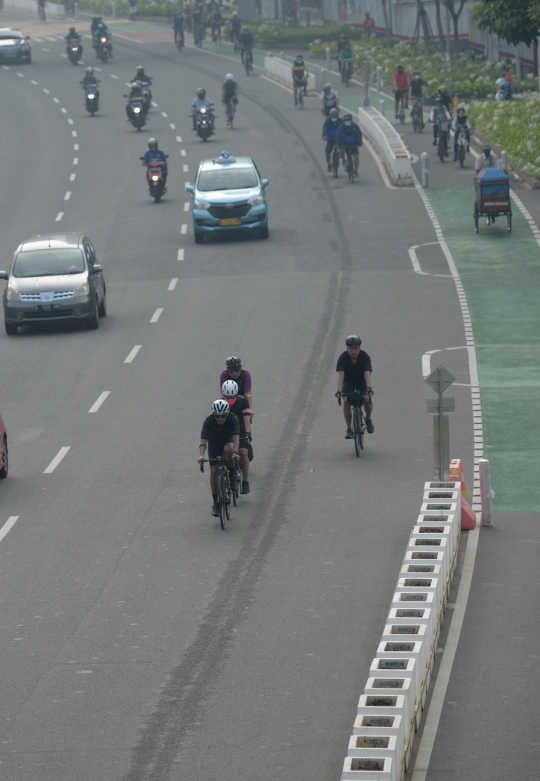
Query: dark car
x=14, y=45
x=54, y=277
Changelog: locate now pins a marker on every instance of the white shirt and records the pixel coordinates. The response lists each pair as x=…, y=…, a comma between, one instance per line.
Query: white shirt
x=441, y=116
x=198, y=103
x=486, y=162
x=331, y=97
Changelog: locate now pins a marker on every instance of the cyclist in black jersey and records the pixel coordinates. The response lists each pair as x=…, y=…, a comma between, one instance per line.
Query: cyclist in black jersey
x=221, y=433
x=354, y=374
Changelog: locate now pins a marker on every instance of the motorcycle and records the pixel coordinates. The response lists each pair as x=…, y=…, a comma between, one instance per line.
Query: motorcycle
x=104, y=49
x=91, y=98
x=204, y=124
x=146, y=89
x=155, y=179
x=74, y=50
x=137, y=115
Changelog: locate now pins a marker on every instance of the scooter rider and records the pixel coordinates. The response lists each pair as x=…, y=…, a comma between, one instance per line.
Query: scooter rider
x=136, y=93
x=329, y=134
x=90, y=78
x=154, y=154
x=73, y=35
x=461, y=124
x=199, y=102
x=143, y=77
x=102, y=32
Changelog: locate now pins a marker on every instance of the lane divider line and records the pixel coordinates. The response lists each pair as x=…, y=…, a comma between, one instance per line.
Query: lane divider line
x=179, y=139
x=183, y=229
x=63, y=110
x=56, y=460
x=172, y=283
x=183, y=153
x=185, y=168
x=33, y=82
x=76, y=149
x=59, y=216
x=186, y=206
x=56, y=100
x=9, y=524
x=172, y=126
x=72, y=177
x=45, y=50
x=5, y=67
x=70, y=121
x=74, y=133
x=180, y=254
x=99, y=401
x=157, y=314
x=133, y=353
x=22, y=74
x=164, y=114
x=46, y=91
x=67, y=196
x=113, y=76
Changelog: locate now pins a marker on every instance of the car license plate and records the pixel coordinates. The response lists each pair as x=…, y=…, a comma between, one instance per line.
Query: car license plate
x=47, y=307
x=231, y=221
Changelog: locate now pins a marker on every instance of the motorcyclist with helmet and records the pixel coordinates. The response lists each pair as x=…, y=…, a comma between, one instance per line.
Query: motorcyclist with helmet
x=199, y=102
x=239, y=406
x=354, y=375
x=90, y=79
x=136, y=92
x=73, y=35
x=221, y=435
x=102, y=31
x=299, y=72
x=143, y=78
x=329, y=99
x=154, y=154
x=329, y=134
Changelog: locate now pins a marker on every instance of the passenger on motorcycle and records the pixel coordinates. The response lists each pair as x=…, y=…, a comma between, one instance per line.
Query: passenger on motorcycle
x=329, y=99
x=201, y=101
x=401, y=79
x=73, y=35
x=153, y=154
x=95, y=21
x=136, y=92
x=299, y=72
x=239, y=406
x=329, y=134
x=102, y=32
x=461, y=124
x=229, y=91
x=246, y=41
x=440, y=118
x=417, y=93
x=141, y=76
x=346, y=59
x=349, y=136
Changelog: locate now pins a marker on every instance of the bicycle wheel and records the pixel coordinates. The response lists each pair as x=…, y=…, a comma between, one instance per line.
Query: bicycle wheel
x=440, y=151
x=228, y=493
x=222, y=500
x=350, y=167
x=335, y=162
x=415, y=122
x=356, y=431
x=461, y=155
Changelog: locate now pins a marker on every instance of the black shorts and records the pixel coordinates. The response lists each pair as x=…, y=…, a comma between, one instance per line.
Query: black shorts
x=352, y=147
x=358, y=393
x=400, y=93
x=330, y=144
x=215, y=449
x=243, y=444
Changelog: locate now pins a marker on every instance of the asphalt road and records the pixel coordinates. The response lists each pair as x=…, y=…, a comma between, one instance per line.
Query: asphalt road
x=139, y=640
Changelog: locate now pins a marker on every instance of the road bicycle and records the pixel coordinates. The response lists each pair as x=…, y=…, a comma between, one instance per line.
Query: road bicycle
x=224, y=490
x=301, y=91
x=335, y=160
x=401, y=111
x=441, y=145
x=358, y=423
x=346, y=71
x=248, y=60
x=199, y=34
x=349, y=164
x=418, y=118
x=230, y=111
x=462, y=147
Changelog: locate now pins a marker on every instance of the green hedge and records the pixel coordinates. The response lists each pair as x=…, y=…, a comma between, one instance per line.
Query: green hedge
x=278, y=34
x=153, y=8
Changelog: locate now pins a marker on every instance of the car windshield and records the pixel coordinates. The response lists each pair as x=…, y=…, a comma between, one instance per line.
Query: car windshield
x=48, y=262
x=239, y=178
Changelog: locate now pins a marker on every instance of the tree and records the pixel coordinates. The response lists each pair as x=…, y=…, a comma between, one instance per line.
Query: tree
x=515, y=22
x=439, y=23
x=455, y=7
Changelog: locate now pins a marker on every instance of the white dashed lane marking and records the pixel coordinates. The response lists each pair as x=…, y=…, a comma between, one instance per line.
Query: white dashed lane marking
x=72, y=177
x=74, y=133
x=75, y=161
x=179, y=139
x=9, y=524
x=181, y=254
x=185, y=168
x=133, y=353
x=186, y=206
x=172, y=126
x=183, y=229
x=157, y=314
x=183, y=152
x=99, y=401
x=59, y=216
x=172, y=283
x=56, y=460
x=67, y=196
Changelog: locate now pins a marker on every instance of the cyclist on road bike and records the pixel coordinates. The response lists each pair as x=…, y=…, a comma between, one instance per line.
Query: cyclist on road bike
x=221, y=433
x=440, y=118
x=446, y=99
x=346, y=58
x=329, y=134
x=349, y=136
x=401, y=79
x=417, y=93
x=241, y=376
x=329, y=99
x=178, y=25
x=236, y=26
x=239, y=406
x=229, y=92
x=299, y=72
x=246, y=42
x=354, y=374
x=461, y=124
x=343, y=43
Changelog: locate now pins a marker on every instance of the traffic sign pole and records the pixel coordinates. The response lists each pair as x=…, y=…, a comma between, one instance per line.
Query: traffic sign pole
x=440, y=380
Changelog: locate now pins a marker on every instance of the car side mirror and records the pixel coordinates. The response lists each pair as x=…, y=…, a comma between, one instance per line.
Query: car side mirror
x=189, y=188
x=27, y=37
x=4, y=275
x=96, y=268
x=264, y=182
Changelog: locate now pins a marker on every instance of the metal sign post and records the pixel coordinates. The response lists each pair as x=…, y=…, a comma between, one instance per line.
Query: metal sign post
x=440, y=380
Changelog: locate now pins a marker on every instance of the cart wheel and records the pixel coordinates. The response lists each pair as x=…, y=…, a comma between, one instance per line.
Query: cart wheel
x=509, y=217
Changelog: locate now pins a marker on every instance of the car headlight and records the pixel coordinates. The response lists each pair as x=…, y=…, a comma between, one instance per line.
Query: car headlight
x=201, y=204
x=256, y=201
x=82, y=289
x=12, y=294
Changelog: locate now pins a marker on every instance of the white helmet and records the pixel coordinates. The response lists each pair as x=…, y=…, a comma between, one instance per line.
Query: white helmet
x=500, y=83
x=229, y=77
x=220, y=407
x=230, y=389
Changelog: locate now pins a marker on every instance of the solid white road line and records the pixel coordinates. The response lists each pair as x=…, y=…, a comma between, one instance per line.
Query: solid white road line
x=186, y=206
x=185, y=167
x=157, y=314
x=172, y=126
x=59, y=216
x=180, y=254
x=172, y=283
x=99, y=401
x=72, y=177
x=9, y=524
x=179, y=139
x=56, y=460
x=133, y=353
x=183, y=152
x=67, y=196
x=183, y=229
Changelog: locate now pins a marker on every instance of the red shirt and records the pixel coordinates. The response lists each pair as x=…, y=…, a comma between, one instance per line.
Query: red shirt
x=401, y=79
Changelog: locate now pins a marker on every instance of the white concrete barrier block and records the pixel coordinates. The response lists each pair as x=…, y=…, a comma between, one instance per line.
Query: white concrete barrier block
x=368, y=769
x=380, y=726
x=393, y=666
x=389, y=144
x=389, y=705
x=434, y=542
x=437, y=486
x=383, y=685
x=437, y=507
x=410, y=633
x=410, y=650
x=441, y=519
x=414, y=584
x=418, y=615
x=442, y=496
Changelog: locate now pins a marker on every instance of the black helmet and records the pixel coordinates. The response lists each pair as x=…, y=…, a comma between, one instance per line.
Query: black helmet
x=201, y=92
x=71, y=29
x=400, y=66
x=353, y=341
x=233, y=363
x=347, y=117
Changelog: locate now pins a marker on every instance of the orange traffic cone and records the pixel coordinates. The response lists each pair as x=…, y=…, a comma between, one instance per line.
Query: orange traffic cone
x=468, y=516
